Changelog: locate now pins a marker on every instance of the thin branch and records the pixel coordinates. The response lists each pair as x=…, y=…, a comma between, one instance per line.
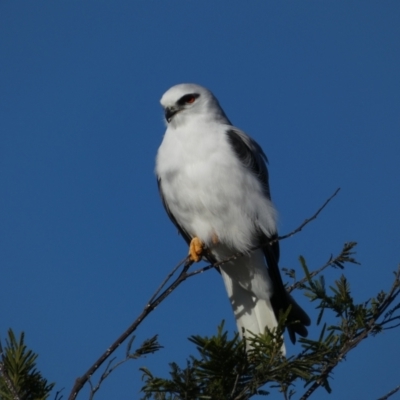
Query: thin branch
x=392, y=327
x=148, y=346
x=157, y=298
x=235, y=385
x=91, y=387
x=391, y=393
x=107, y=371
x=394, y=291
x=331, y=261
x=312, y=274
x=166, y=280
x=308, y=220
x=331, y=365
x=58, y=393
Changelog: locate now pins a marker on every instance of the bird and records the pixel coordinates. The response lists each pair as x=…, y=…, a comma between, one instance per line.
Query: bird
x=214, y=185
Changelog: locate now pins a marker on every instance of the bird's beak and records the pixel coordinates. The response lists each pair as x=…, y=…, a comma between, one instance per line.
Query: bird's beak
x=170, y=112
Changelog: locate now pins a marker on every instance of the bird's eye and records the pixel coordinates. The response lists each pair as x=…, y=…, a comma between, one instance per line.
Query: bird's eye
x=188, y=99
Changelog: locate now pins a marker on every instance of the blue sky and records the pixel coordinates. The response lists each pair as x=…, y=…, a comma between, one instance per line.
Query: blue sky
x=84, y=240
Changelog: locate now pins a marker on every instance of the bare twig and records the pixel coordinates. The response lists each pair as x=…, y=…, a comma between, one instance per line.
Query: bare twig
x=308, y=220
x=391, y=393
x=107, y=371
x=148, y=346
x=157, y=298
x=393, y=326
x=58, y=393
x=166, y=280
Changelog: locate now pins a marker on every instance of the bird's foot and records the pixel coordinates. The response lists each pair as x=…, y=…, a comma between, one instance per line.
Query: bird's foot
x=196, y=249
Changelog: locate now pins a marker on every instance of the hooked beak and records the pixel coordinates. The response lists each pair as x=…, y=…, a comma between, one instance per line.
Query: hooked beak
x=170, y=112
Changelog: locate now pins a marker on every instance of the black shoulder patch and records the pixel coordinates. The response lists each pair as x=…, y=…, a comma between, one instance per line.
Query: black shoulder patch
x=249, y=158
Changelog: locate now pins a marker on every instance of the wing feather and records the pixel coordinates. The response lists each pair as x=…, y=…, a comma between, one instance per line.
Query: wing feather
x=184, y=234
x=252, y=157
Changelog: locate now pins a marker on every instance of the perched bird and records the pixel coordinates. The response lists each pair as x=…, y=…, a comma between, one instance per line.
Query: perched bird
x=213, y=181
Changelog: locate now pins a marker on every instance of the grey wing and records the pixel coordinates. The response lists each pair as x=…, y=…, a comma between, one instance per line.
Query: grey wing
x=184, y=234
x=252, y=157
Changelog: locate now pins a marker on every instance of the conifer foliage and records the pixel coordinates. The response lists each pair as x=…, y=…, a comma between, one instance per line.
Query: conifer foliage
x=19, y=379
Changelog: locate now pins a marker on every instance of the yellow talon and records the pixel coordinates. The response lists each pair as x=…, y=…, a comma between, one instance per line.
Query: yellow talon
x=196, y=249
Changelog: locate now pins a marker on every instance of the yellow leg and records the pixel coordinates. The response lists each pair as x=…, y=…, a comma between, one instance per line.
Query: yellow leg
x=196, y=249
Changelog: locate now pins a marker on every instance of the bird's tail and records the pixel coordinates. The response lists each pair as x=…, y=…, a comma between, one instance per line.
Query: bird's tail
x=252, y=314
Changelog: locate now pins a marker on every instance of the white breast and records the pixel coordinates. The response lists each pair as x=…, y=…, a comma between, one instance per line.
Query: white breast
x=207, y=189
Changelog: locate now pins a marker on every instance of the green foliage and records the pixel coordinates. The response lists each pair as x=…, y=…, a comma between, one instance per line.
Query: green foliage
x=233, y=369
x=19, y=378
x=225, y=370
x=237, y=370
x=149, y=346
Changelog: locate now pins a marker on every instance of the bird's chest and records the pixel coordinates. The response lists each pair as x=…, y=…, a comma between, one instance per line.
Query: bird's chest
x=194, y=170
x=193, y=163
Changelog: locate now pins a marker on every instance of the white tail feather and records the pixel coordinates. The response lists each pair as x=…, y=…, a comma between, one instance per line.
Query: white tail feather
x=253, y=314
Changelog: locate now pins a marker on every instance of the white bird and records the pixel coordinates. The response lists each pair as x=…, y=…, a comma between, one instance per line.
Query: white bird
x=213, y=181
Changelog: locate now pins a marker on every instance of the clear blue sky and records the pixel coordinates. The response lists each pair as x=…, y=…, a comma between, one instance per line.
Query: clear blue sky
x=84, y=240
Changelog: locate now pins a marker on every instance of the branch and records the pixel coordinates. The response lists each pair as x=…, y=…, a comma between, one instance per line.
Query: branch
x=151, y=305
x=58, y=393
x=308, y=220
x=391, y=393
x=148, y=346
x=157, y=298
x=107, y=371
x=352, y=342
x=337, y=261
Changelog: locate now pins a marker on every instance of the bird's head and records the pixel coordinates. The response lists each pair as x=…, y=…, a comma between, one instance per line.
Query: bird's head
x=188, y=100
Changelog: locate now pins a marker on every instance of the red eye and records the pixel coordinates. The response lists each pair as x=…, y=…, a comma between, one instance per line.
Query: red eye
x=188, y=99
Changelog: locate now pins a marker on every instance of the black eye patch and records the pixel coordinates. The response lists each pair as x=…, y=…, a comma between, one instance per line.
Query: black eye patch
x=188, y=99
